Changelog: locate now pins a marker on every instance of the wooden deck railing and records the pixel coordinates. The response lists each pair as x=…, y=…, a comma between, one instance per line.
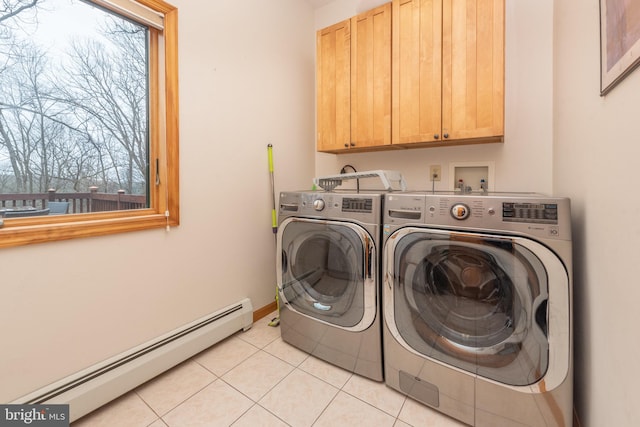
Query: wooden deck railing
x=92, y=201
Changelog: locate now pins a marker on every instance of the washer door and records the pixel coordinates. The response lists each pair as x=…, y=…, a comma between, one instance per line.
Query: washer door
x=327, y=271
x=474, y=301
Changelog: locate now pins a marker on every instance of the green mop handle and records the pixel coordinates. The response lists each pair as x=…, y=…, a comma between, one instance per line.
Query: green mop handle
x=274, y=222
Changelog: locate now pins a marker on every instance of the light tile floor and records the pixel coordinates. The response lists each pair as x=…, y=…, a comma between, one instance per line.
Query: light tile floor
x=255, y=379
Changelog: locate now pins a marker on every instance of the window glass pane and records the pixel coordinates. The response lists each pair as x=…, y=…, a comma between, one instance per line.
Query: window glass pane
x=74, y=97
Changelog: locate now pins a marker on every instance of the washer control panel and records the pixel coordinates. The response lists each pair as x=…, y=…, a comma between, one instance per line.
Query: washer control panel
x=528, y=213
x=540, y=213
x=543, y=213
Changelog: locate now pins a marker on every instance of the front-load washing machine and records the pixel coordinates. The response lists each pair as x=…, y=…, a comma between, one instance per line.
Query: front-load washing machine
x=477, y=296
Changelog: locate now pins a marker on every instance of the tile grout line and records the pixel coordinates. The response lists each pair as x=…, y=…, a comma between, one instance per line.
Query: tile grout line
x=341, y=388
x=160, y=416
x=148, y=406
x=257, y=402
x=326, y=407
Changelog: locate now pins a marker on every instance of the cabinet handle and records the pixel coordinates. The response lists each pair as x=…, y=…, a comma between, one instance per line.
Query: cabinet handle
x=436, y=136
x=353, y=144
x=346, y=145
x=446, y=135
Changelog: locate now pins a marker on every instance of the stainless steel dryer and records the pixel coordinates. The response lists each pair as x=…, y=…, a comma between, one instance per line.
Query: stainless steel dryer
x=328, y=250
x=329, y=271
x=477, y=305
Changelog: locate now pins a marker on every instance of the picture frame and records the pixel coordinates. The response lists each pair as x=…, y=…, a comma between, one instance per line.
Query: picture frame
x=619, y=41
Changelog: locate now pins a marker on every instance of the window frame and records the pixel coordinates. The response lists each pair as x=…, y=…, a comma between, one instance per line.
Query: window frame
x=164, y=200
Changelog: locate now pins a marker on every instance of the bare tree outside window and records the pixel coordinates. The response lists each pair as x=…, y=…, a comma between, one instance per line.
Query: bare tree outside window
x=74, y=107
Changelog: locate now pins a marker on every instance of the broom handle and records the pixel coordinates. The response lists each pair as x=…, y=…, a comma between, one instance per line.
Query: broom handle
x=274, y=223
x=274, y=226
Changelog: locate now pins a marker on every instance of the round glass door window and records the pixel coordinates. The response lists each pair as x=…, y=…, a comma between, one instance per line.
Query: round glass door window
x=474, y=302
x=323, y=266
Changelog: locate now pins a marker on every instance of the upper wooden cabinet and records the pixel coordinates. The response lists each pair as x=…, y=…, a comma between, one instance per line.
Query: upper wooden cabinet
x=333, y=77
x=448, y=71
x=354, y=82
x=473, y=69
x=412, y=73
x=417, y=71
x=371, y=78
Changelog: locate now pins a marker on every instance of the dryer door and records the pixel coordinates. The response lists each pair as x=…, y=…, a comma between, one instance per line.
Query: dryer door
x=327, y=271
x=474, y=301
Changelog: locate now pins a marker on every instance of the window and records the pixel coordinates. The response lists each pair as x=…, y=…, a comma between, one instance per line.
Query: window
x=88, y=118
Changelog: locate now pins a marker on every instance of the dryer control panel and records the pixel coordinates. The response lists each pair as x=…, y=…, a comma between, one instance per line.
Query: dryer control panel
x=360, y=207
x=357, y=204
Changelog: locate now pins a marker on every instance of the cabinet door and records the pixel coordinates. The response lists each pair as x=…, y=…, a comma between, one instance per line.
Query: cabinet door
x=417, y=71
x=333, y=50
x=371, y=78
x=473, y=68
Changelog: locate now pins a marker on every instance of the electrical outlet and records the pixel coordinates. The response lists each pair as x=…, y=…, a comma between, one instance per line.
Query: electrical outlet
x=435, y=173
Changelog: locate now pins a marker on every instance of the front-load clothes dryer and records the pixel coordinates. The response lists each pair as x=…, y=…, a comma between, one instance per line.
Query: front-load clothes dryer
x=328, y=277
x=477, y=305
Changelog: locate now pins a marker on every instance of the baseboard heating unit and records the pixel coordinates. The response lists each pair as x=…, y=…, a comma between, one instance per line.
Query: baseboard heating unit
x=91, y=388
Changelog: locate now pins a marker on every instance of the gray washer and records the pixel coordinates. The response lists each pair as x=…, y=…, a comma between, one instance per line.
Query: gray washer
x=477, y=305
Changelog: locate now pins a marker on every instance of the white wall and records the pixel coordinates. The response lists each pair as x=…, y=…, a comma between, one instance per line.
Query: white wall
x=596, y=151
x=246, y=80
x=524, y=161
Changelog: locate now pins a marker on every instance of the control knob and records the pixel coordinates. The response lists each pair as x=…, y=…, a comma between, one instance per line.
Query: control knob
x=460, y=211
x=318, y=204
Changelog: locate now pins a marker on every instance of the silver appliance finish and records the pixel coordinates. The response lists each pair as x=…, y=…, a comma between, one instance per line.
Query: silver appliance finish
x=328, y=277
x=477, y=305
